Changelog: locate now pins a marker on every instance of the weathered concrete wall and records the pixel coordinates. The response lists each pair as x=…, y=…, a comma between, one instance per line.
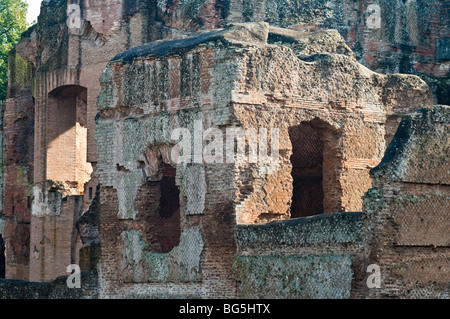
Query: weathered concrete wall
x=294, y=276
x=322, y=229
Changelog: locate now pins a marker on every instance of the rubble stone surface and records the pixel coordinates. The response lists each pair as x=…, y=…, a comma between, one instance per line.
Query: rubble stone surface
x=356, y=169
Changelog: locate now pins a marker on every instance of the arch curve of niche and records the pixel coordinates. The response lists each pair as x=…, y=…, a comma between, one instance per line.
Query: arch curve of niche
x=168, y=249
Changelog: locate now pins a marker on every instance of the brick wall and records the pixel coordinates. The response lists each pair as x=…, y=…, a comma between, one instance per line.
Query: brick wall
x=54, y=240
x=405, y=41
x=204, y=82
x=51, y=56
x=408, y=211
x=330, y=263
x=17, y=168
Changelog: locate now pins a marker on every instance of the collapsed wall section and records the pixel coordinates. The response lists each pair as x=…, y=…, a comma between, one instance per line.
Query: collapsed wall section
x=185, y=89
x=178, y=108
x=55, y=55
x=409, y=207
x=332, y=119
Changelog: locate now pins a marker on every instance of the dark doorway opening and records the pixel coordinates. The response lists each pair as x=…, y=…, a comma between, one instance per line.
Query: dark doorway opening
x=169, y=211
x=2, y=258
x=307, y=170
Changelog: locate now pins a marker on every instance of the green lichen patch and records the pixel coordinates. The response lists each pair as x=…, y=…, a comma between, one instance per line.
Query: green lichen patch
x=330, y=228
x=283, y=277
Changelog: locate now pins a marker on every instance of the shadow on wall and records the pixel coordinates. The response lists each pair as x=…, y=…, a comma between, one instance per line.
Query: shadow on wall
x=67, y=136
x=2, y=257
x=314, y=165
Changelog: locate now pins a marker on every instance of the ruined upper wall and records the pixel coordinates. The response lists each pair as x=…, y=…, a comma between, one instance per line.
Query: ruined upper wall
x=419, y=152
x=317, y=67
x=414, y=28
x=388, y=36
x=306, y=76
x=408, y=209
x=253, y=75
x=246, y=76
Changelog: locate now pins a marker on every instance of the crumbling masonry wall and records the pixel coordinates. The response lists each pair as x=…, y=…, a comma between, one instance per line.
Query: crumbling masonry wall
x=402, y=230
x=314, y=258
x=409, y=206
x=52, y=58
x=17, y=169
x=388, y=36
x=54, y=55
x=230, y=78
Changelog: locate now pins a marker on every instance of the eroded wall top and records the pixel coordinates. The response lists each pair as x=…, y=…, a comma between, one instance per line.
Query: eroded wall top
x=419, y=152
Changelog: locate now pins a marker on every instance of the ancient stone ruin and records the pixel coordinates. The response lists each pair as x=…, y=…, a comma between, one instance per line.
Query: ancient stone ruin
x=228, y=149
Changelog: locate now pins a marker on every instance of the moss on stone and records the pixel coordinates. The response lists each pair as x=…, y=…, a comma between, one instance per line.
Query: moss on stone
x=331, y=228
x=294, y=276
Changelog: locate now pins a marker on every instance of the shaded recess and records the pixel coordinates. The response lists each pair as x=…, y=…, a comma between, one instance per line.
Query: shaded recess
x=315, y=169
x=67, y=136
x=307, y=171
x=169, y=212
